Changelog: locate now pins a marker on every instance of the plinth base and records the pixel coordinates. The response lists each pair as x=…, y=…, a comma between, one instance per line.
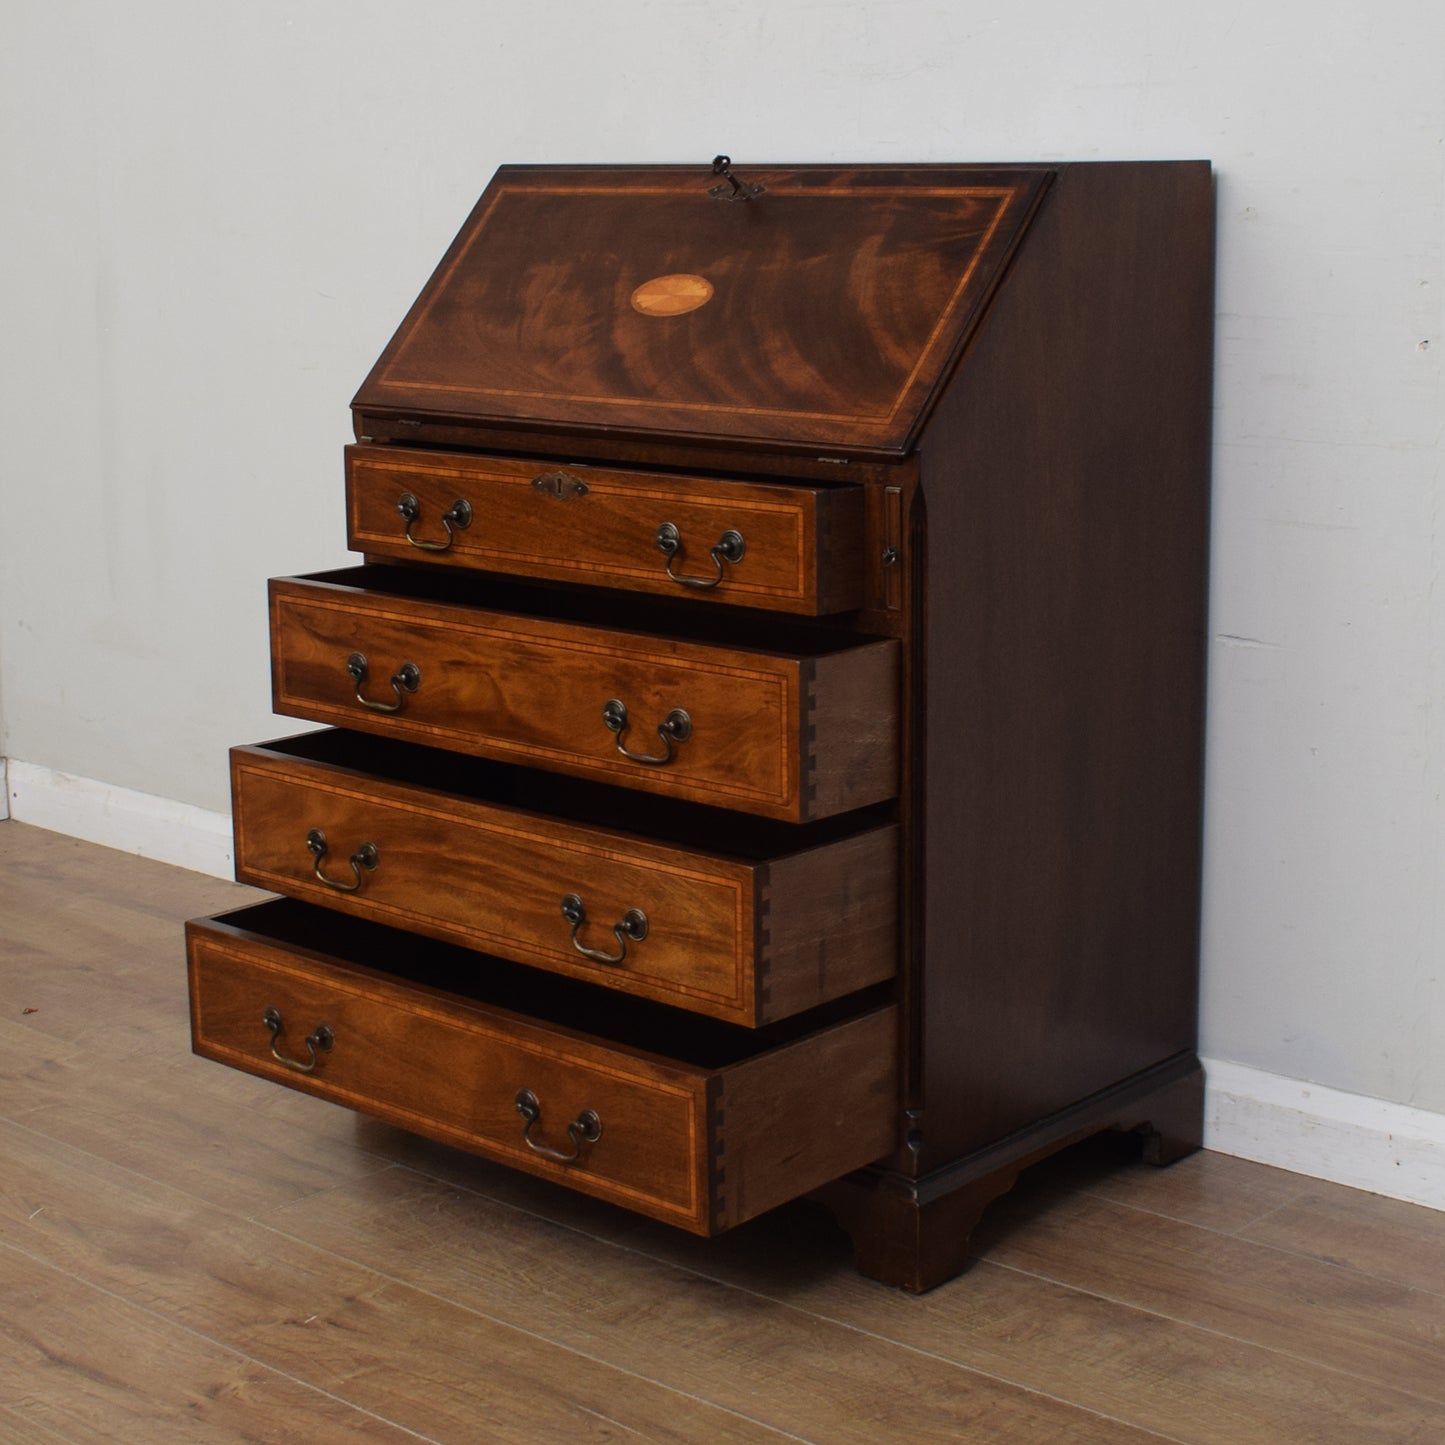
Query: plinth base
x=914, y=1232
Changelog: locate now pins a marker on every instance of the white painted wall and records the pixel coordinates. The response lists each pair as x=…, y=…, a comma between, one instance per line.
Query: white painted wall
x=214, y=214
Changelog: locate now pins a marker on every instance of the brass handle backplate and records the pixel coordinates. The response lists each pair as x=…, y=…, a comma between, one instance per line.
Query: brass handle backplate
x=586, y=1128
x=319, y=1039
x=406, y=680
x=631, y=929
x=676, y=727
x=457, y=516
x=365, y=856
x=730, y=548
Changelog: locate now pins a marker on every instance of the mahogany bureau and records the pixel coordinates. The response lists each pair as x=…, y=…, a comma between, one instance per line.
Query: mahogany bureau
x=766, y=730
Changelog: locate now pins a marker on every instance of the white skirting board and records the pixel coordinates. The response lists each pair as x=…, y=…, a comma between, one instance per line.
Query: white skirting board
x=1372, y=1144
x=4, y=789
x=157, y=828
x=1369, y=1144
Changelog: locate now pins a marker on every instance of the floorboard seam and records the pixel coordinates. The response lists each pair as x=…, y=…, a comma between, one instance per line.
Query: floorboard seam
x=530, y=1333
x=1436, y=1402
x=263, y=1223
x=11, y=1413
x=1339, y=1264
x=1241, y=1238
x=191, y=1330
x=1032, y=1390
x=752, y=1294
x=385, y=1166
x=1169, y=1214
x=380, y=1274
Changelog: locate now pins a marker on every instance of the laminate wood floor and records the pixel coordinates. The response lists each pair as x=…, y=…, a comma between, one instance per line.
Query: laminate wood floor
x=190, y=1254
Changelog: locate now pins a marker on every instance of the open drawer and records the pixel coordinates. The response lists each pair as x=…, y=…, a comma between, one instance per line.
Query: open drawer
x=700, y=1124
x=741, y=918
x=786, y=547
x=793, y=723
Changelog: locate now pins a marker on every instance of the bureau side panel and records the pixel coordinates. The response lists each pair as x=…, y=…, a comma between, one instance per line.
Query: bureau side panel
x=1065, y=491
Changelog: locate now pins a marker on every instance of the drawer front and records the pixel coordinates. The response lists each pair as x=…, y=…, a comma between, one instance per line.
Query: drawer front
x=783, y=547
x=781, y=736
x=749, y=942
x=640, y=1130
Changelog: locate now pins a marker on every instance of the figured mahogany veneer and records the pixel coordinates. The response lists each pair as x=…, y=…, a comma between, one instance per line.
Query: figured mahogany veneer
x=802, y=546
x=734, y=1126
x=781, y=735
x=750, y=940
x=838, y=303
x=920, y=864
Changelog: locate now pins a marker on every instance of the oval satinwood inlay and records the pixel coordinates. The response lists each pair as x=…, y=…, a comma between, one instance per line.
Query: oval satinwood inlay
x=672, y=295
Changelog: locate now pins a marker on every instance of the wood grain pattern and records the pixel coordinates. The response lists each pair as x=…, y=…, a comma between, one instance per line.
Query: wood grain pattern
x=1387, y=1238
x=216, y=1136
x=1215, y=1191
x=802, y=543
x=80, y=1365
x=1156, y=1370
x=587, y=1318
x=715, y=455
x=1065, y=495
x=532, y=690
x=451, y=1069
x=850, y=729
x=492, y=877
x=840, y=298
x=817, y=1379
x=1356, y=1323
x=15, y=1430
x=273, y=1327
x=1039, y=548
x=829, y=914
x=27, y=1057
x=789, y=1115
x=672, y=295
x=453, y=1072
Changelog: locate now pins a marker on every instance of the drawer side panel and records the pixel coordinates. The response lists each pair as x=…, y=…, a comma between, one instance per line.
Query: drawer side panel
x=789, y=1121
x=831, y=921
x=850, y=729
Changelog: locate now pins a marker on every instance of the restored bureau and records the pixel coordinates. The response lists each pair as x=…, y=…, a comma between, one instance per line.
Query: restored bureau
x=764, y=735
